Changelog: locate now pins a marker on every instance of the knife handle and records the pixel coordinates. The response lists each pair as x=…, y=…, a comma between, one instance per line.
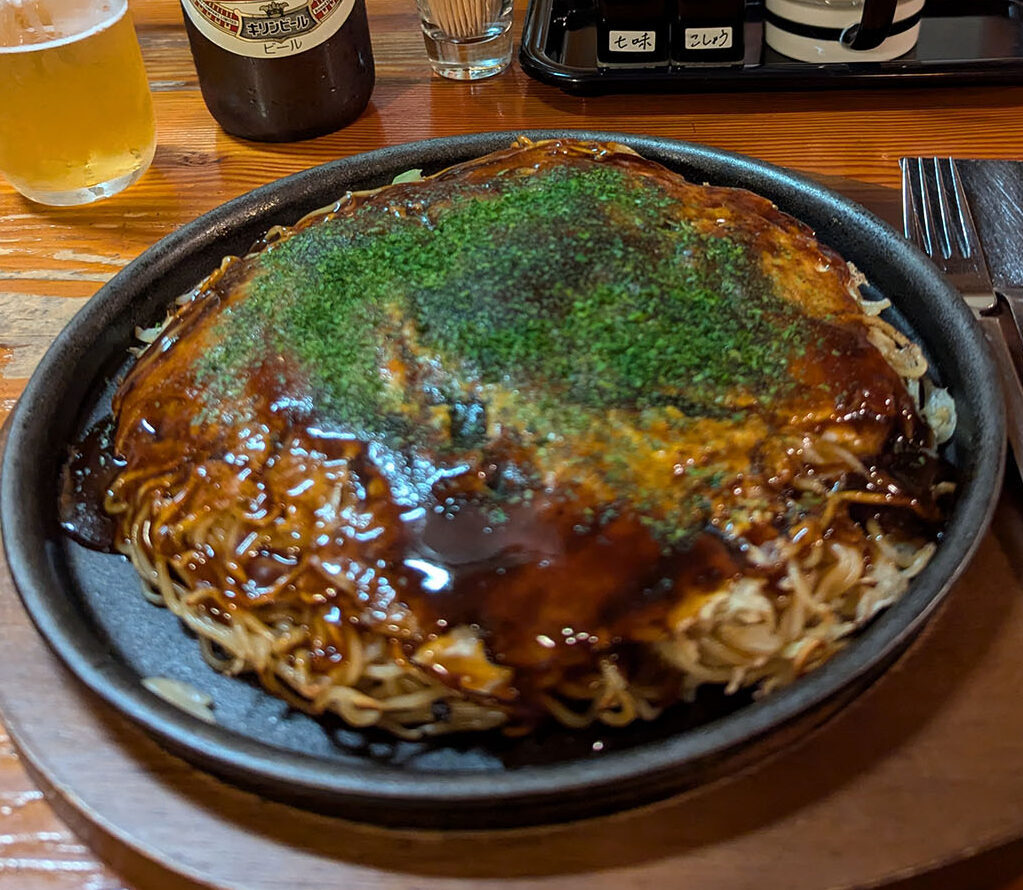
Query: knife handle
x=1012, y=388
x=1012, y=297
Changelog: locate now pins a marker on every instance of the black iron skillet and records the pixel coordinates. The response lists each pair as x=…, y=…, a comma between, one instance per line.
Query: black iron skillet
x=89, y=607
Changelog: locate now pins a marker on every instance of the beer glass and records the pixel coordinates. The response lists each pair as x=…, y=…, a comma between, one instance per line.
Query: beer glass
x=76, y=117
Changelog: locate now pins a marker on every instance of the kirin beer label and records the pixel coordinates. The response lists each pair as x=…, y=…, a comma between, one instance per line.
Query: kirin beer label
x=265, y=29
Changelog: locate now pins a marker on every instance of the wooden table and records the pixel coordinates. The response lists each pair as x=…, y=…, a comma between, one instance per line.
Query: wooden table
x=52, y=261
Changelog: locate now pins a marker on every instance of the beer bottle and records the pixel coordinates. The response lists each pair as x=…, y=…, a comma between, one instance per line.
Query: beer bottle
x=281, y=70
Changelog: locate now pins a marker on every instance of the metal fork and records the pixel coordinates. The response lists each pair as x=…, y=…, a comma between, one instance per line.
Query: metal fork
x=937, y=218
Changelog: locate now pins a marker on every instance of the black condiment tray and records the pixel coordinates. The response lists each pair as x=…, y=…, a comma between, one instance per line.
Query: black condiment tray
x=961, y=42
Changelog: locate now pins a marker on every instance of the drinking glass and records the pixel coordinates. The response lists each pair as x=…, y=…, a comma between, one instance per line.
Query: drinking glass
x=467, y=39
x=76, y=117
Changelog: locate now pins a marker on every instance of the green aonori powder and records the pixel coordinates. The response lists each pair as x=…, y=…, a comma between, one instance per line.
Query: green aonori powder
x=583, y=286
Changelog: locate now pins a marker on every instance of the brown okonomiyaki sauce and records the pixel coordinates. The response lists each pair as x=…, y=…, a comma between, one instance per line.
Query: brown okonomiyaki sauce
x=449, y=473
x=87, y=476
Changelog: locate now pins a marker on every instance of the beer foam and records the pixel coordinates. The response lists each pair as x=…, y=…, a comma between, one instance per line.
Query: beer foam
x=32, y=25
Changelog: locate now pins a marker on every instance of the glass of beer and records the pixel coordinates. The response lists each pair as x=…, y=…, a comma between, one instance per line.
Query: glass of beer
x=76, y=116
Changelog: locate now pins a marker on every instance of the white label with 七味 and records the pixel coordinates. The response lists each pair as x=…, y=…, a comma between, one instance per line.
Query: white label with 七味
x=265, y=29
x=632, y=41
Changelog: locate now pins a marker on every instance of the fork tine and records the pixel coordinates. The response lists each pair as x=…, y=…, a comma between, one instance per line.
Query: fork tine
x=935, y=222
x=967, y=229
x=922, y=220
x=912, y=189
x=950, y=206
x=910, y=225
x=959, y=232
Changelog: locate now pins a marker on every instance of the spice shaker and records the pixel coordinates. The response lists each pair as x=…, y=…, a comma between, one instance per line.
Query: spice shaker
x=708, y=31
x=634, y=33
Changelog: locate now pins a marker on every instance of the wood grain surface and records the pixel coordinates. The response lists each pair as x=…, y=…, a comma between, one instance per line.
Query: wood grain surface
x=52, y=260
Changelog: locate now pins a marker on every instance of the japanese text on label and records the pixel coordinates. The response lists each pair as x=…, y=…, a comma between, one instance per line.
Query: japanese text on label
x=708, y=38
x=632, y=41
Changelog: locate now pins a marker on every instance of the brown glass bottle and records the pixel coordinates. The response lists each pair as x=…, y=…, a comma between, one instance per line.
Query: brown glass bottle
x=289, y=92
